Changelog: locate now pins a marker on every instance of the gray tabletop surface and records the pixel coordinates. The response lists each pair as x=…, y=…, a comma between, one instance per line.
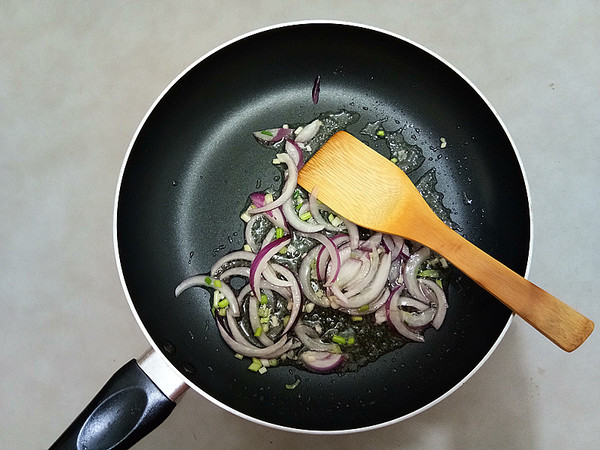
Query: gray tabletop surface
x=76, y=78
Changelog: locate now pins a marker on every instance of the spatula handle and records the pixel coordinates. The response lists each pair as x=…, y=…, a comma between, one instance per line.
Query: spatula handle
x=556, y=320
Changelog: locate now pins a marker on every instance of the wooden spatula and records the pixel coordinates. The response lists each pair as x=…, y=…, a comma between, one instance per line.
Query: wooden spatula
x=369, y=190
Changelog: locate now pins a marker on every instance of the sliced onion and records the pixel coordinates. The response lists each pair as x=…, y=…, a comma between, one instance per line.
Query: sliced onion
x=323, y=257
x=353, y=233
x=200, y=280
x=322, y=361
x=310, y=339
x=261, y=260
x=375, y=288
x=440, y=302
x=295, y=222
x=348, y=270
x=249, y=235
x=399, y=245
x=273, y=135
x=410, y=272
x=296, y=294
x=274, y=215
x=288, y=188
x=359, y=284
x=374, y=306
x=316, y=89
x=240, y=255
x=333, y=251
x=304, y=277
x=418, y=319
x=394, y=317
x=308, y=132
x=295, y=153
x=247, y=349
x=255, y=321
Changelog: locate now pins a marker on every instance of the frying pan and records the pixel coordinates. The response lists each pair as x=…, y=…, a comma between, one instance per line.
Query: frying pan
x=185, y=181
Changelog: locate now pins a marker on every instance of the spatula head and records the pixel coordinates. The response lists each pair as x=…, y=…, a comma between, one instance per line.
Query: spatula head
x=362, y=186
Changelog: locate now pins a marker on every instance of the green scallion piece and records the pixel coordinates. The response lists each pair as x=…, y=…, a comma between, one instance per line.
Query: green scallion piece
x=286, y=319
x=217, y=283
x=208, y=281
x=258, y=332
x=394, y=160
x=294, y=385
x=307, y=215
x=273, y=362
x=223, y=303
x=222, y=312
x=264, y=299
x=439, y=283
x=278, y=232
x=283, y=251
x=351, y=340
x=238, y=356
x=338, y=339
x=431, y=273
x=381, y=133
x=266, y=133
x=357, y=318
x=255, y=366
x=363, y=308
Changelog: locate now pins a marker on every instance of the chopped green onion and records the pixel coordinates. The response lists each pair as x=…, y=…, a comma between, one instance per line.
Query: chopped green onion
x=223, y=303
x=245, y=217
x=255, y=366
x=272, y=363
x=264, y=299
x=363, y=308
x=264, y=320
x=222, y=312
x=238, y=356
x=258, y=332
x=294, y=385
x=380, y=133
x=217, y=283
x=283, y=250
x=208, y=281
x=336, y=221
x=286, y=319
x=268, y=198
x=267, y=133
x=330, y=217
x=247, y=248
x=357, y=318
x=431, y=273
x=264, y=311
x=262, y=370
x=351, y=340
x=278, y=232
x=439, y=283
x=394, y=160
x=296, y=194
x=307, y=215
x=338, y=339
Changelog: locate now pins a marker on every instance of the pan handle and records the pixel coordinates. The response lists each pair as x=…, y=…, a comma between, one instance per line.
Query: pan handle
x=134, y=401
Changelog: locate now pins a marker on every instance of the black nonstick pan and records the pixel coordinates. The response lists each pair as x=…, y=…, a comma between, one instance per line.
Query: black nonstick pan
x=194, y=160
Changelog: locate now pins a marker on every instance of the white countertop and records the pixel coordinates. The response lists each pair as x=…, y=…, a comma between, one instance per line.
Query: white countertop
x=76, y=78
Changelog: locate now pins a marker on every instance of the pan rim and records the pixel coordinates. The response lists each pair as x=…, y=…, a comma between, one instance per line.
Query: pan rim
x=141, y=125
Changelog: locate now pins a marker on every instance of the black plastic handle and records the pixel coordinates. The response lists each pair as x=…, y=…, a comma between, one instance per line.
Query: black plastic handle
x=126, y=409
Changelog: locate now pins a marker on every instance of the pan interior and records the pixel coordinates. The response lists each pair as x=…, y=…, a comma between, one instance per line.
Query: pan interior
x=194, y=161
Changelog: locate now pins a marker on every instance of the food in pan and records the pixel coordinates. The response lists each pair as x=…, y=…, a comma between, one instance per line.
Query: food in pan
x=312, y=289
